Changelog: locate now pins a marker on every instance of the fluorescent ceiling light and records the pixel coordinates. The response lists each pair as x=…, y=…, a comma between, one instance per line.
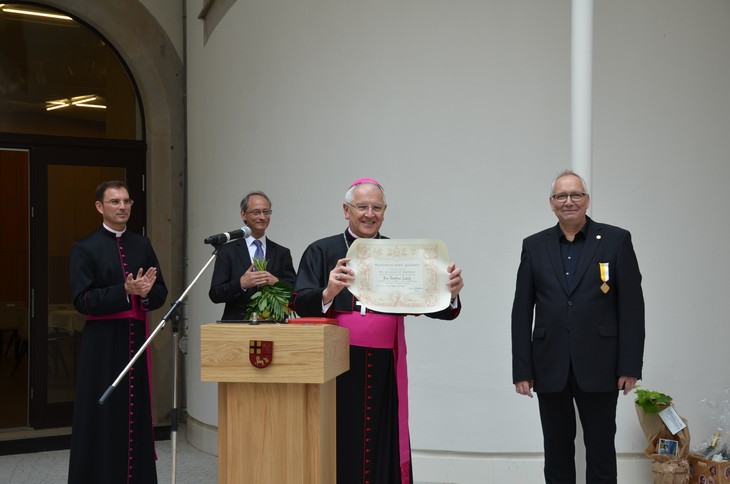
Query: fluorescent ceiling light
x=84, y=102
x=36, y=13
x=97, y=106
x=53, y=105
x=78, y=101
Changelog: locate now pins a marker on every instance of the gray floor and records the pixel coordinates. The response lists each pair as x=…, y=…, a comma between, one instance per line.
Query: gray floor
x=192, y=465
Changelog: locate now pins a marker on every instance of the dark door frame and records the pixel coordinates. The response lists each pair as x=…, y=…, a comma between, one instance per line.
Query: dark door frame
x=45, y=151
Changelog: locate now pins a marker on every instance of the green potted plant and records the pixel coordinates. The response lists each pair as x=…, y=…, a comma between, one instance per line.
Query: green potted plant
x=648, y=404
x=651, y=401
x=269, y=303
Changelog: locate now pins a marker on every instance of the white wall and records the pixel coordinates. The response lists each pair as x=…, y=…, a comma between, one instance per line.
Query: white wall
x=661, y=168
x=169, y=13
x=461, y=110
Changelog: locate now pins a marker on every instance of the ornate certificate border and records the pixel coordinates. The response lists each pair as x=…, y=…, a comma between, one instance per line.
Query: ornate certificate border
x=400, y=275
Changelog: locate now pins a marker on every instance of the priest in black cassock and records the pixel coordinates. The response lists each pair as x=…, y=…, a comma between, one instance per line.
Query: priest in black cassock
x=115, y=281
x=373, y=443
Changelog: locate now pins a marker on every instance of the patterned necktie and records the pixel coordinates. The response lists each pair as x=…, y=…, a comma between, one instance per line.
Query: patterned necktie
x=259, y=253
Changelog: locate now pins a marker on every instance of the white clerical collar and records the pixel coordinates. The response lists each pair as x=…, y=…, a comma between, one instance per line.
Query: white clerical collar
x=116, y=232
x=376, y=236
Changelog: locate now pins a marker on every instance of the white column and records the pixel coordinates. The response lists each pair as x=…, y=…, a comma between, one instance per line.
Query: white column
x=581, y=88
x=581, y=130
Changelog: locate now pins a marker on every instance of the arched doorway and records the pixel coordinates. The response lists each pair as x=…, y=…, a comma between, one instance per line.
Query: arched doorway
x=52, y=156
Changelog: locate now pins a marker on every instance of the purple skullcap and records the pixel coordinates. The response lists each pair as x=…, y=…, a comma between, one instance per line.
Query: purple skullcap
x=366, y=180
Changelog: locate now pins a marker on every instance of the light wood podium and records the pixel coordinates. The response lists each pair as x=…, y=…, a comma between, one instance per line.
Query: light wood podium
x=275, y=424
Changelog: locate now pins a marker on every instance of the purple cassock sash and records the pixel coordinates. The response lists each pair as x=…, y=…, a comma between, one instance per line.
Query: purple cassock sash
x=386, y=331
x=135, y=313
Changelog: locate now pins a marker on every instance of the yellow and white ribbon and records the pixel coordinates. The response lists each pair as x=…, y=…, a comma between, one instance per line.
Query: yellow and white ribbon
x=604, y=276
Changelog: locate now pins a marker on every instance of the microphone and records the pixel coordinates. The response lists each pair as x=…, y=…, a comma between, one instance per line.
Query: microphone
x=226, y=237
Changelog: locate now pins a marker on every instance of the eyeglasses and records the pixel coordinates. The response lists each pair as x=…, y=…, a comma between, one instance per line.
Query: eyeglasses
x=115, y=202
x=563, y=197
x=363, y=208
x=256, y=213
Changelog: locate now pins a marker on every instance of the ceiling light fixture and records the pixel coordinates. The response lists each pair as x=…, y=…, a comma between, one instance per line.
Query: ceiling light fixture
x=53, y=105
x=78, y=101
x=84, y=103
x=36, y=13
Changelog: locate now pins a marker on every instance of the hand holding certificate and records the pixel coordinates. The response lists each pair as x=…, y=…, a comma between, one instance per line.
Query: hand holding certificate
x=400, y=275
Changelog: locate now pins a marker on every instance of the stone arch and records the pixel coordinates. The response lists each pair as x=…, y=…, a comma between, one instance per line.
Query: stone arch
x=158, y=72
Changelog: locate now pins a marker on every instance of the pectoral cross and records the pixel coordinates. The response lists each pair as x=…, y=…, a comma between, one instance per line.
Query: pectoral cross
x=362, y=307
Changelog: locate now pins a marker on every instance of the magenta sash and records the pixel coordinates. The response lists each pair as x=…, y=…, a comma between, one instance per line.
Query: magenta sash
x=387, y=331
x=135, y=313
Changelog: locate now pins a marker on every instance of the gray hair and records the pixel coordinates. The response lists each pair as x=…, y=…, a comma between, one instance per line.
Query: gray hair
x=568, y=173
x=244, y=202
x=351, y=191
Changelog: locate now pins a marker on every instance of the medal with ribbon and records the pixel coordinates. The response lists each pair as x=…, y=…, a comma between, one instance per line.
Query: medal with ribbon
x=604, y=276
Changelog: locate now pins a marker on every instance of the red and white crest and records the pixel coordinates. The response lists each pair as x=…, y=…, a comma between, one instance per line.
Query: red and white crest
x=260, y=353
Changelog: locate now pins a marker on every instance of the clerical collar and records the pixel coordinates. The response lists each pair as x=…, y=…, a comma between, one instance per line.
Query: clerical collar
x=353, y=236
x=350, y=237
x=115, y=232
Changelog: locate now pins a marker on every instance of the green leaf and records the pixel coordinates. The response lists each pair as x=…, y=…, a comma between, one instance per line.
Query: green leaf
x=652, y=401
x=260, y=264
x=270, y=302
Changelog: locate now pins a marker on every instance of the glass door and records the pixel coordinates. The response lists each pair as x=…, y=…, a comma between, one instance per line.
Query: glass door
x=69, y=119
x=14, y=290
x=64, y=181
x=64, y=226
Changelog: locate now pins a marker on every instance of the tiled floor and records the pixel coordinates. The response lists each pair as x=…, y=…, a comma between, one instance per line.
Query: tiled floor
x=192, y=466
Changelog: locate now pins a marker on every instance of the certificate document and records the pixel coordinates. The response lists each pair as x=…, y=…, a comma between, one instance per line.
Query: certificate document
x=400, y=275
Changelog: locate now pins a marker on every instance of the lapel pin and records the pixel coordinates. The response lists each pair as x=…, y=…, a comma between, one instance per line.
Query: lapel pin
x=598, y=237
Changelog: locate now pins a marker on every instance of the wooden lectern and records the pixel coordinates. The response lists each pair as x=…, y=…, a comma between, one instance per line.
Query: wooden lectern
x=275, y=424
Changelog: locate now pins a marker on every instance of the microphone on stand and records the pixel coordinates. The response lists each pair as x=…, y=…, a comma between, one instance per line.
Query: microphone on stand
x=226, y=237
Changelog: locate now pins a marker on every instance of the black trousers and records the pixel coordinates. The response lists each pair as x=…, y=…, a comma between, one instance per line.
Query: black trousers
x=597, y=413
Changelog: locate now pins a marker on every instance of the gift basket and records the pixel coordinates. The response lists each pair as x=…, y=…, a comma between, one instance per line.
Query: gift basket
x=709, y=461
x=667, y=435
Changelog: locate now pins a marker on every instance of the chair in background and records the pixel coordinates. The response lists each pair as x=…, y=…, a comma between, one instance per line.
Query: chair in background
x=65, y=324
x=10, y=321
x=21, y=350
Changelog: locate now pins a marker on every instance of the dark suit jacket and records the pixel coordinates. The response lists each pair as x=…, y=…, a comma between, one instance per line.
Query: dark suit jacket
x=600, y=335
x=230, y=264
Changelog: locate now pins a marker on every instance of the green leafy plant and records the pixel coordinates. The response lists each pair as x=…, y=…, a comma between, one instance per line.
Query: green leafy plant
x=270, y=303
x=651, y=401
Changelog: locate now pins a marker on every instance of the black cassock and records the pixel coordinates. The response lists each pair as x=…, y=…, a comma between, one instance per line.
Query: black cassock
x=114, y=442
x=372, y=427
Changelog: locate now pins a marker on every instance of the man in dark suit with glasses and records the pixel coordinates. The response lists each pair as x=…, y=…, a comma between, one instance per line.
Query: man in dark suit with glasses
x=235, y=279
x=581, y=281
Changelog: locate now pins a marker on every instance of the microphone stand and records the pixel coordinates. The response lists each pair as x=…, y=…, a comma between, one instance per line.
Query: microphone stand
x=171, y=314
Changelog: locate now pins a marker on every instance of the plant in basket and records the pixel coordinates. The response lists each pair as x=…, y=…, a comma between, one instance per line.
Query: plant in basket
x=269, y=303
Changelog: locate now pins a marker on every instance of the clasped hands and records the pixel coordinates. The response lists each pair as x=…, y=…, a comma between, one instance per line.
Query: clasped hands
x=142, y=284
x=341, y=276
x=252, y=278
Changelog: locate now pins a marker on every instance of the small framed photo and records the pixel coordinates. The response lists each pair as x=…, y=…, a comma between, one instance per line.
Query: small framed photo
x=668, y=447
